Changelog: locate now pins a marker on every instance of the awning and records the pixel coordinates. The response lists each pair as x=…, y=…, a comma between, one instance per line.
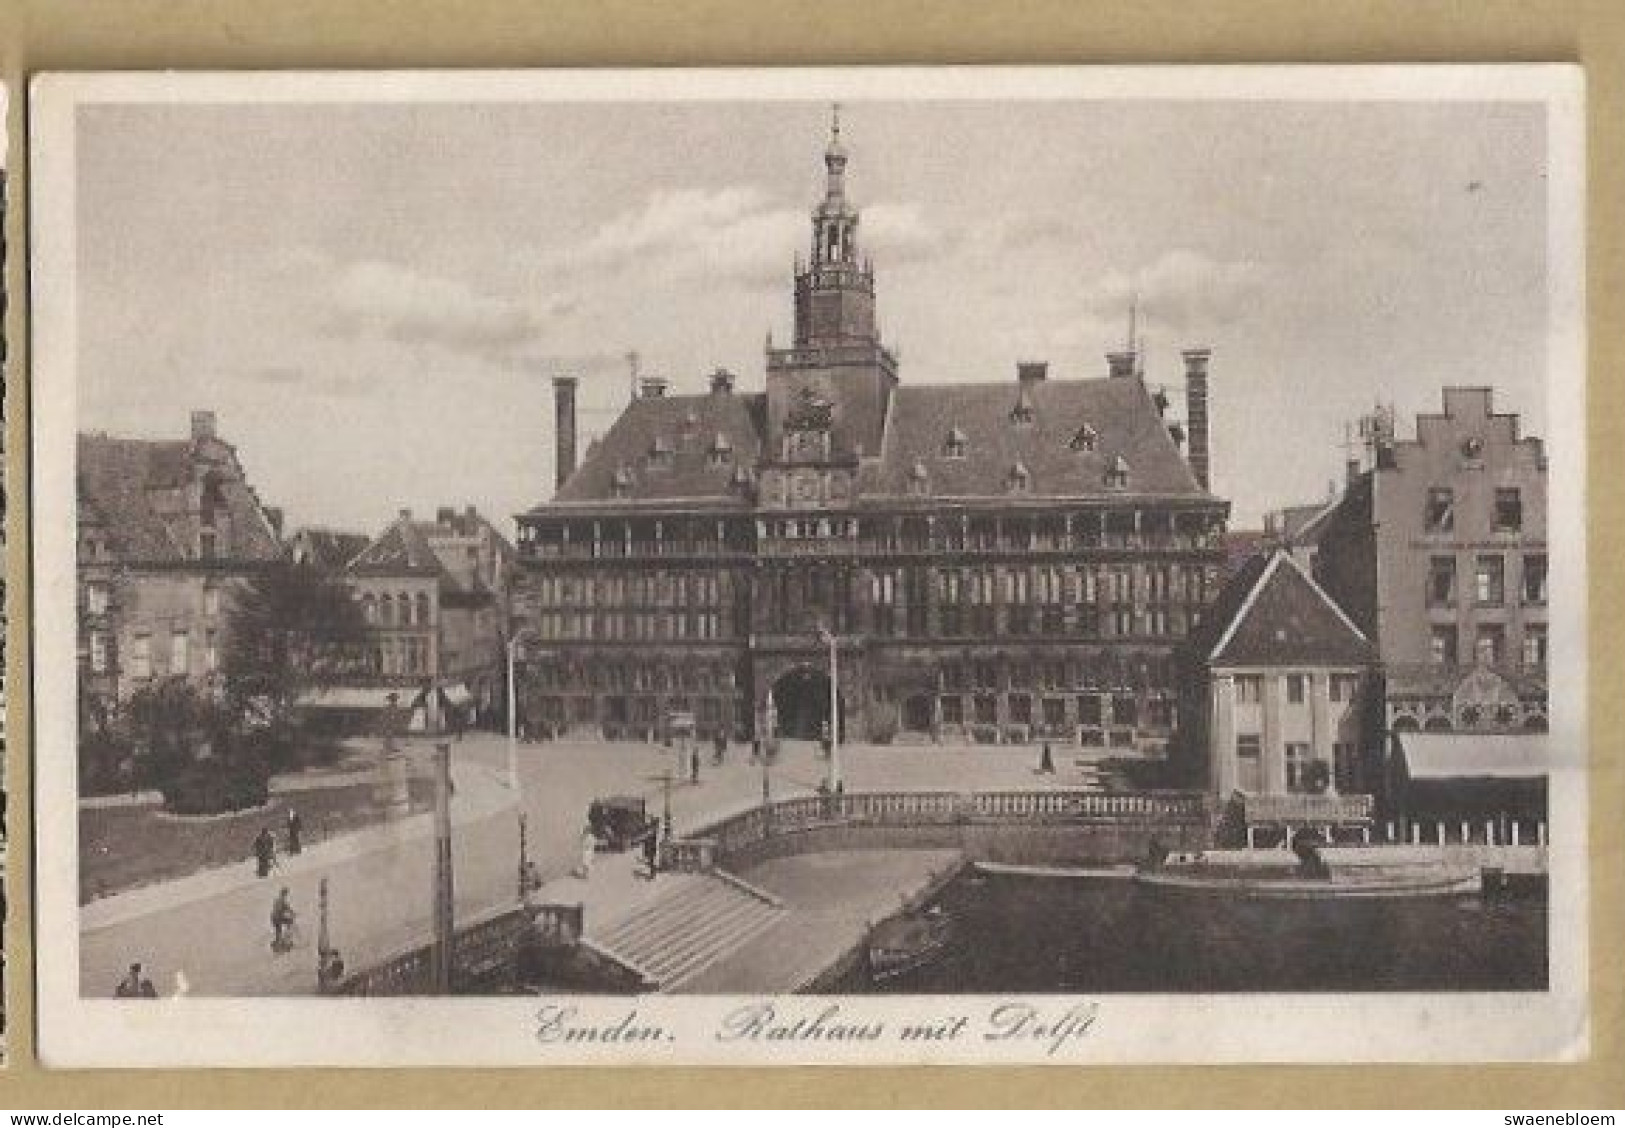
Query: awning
x=1454, y=755
x=354, y=697
x=457, y=694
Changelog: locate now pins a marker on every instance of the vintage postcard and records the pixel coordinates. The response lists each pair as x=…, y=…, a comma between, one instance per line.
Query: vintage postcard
x=936, y=565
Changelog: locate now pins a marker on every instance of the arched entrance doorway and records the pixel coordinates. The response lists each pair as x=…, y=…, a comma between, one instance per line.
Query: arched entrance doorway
x=801, y=702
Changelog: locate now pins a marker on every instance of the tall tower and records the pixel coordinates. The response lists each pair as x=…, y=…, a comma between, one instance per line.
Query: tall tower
x=828, y=393
x=835, y=291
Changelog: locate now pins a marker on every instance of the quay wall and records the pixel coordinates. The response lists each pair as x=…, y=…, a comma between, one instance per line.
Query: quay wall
x=1012, y=843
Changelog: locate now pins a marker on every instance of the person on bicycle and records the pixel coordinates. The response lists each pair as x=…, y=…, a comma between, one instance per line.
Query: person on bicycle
x=282, y=921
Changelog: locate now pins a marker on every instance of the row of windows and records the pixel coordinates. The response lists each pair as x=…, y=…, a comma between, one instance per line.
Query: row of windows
x=1340, y=688
x=142, y=662
x=677, y=536
x=1297, y=757
x=1506, y=511
x=401, y=657
x=1489, y=645
x=98, y=600
x=662, y=589
x=637, y=677
x=403, y=610
x=1489, y=580
x=1089, y=710
x=633, y=626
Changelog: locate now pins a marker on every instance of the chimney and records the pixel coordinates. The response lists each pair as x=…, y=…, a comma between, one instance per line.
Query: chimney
x=202, y=425
x=1196, y=412
x=722, y=382
x=406, y=515
x=471, y=512
x=1351, y=471
x=273, y=515
x=445, y=515
x=1121, y=363
x=652, y=387
x=564, y=429
x=1032, y=371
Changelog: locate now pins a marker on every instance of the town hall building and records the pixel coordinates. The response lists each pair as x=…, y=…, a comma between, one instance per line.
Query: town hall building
x=979, y=561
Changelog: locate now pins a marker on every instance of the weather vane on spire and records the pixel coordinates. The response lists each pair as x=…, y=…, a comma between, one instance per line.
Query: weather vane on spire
x=835, y=121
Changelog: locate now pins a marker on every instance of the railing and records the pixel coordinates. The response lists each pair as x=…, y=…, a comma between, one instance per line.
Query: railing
x=703, y=848
x=1307, y=808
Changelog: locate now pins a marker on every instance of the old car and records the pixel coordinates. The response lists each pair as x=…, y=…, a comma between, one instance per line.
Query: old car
x=621, y=821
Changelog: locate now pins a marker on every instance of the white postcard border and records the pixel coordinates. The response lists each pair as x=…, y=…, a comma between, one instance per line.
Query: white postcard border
x=1117, y=1029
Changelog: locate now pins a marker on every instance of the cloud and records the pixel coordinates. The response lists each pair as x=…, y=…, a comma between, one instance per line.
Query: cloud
x=735, y=235
x=1183, y=290
x=413, y=307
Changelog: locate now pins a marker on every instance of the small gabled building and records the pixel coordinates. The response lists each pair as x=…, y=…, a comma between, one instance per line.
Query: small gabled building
x=434, y=596
x=167, y=530
x=1281, y=703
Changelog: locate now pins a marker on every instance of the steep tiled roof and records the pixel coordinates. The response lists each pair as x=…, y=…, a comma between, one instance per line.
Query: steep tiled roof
x=330, y=548
x=135, y=488
x=400, y=549
x=661, y=448
x=1125, y=421
x=1271, y=613
x=686, y=430
x=404, y=549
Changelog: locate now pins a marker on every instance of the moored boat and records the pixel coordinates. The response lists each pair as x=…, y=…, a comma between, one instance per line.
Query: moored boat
x=908, y=942
x=1356, y=884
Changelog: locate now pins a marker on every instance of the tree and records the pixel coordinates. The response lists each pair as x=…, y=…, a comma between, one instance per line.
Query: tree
x=291, y=630
x=191, y=748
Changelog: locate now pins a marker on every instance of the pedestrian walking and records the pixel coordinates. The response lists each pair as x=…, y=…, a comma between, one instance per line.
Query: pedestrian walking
x=756, y=750
x=264, y=851
x=282, y=922
x=694, y=764
x=295, y=826
x=651, y=852
x=721, y=745
x=1046, y=761
x=825, y=741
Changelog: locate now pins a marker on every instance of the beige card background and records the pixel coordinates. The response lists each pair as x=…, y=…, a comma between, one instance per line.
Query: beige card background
x=228, y=34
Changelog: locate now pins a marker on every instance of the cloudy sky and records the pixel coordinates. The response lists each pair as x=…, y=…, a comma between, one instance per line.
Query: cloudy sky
x=374, y=298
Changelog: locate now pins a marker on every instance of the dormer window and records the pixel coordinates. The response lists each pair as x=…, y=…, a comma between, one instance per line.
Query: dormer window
x=722, y=450
x=919, y=479
x=741, y=479
x=1117, y=474
x=621, y=484
x=1085, y=439
x=660, y=452
x=1020, y=479
x=1022, y=415
x=955, y=444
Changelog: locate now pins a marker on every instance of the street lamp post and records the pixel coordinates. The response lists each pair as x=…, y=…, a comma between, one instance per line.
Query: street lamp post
x=834, y=710
x=513, y=710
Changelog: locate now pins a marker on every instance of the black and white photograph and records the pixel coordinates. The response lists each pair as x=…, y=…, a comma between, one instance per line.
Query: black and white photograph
x=889, y=566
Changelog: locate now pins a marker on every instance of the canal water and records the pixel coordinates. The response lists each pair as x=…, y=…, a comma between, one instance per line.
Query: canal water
x=1014, y=934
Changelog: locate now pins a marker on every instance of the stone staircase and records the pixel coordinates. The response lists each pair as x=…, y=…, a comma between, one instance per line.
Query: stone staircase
x=694, y=923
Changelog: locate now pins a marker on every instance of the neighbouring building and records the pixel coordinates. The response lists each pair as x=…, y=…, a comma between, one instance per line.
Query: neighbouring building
x=166, y=530
x=1281, y=710
x=1438, y=551
x=434, y=597
x=328, y=550
x=992, y=560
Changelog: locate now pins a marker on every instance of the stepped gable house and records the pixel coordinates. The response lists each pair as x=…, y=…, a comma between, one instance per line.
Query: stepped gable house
x=165, y=530
x=994, y=560
x=1438, y=551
